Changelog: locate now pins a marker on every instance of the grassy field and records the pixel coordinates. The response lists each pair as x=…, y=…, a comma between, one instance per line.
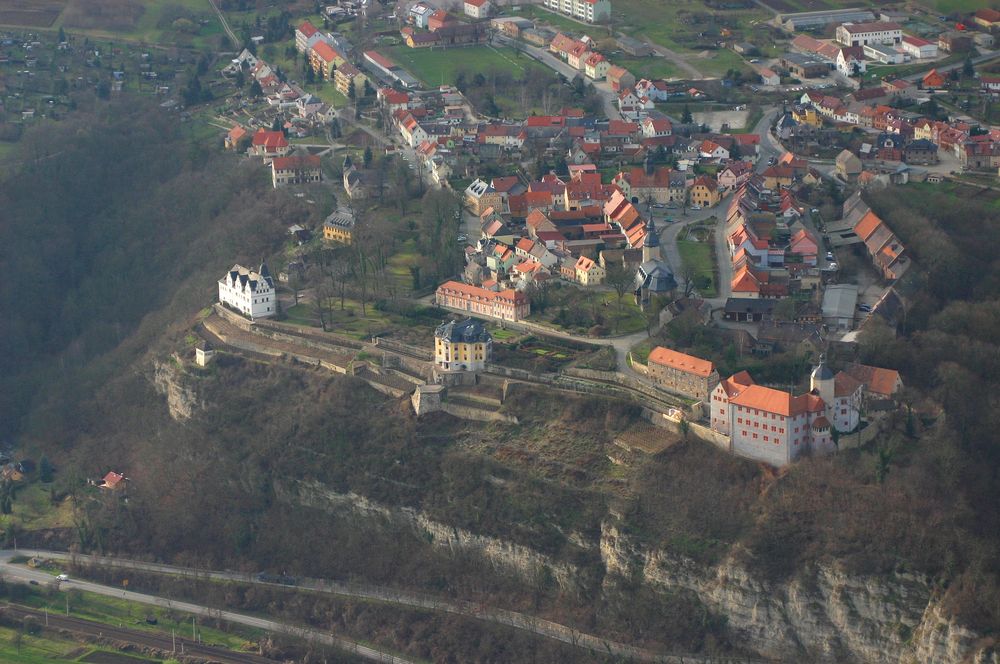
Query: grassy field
x=114, y=611
x=652, y=67
x=437, y=66
x=146, y=21
x=33, y=509
x=352, y=322
x=699, y=256
x=679, y=25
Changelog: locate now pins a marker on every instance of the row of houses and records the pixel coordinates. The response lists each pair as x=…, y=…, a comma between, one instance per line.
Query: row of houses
x=905, y=136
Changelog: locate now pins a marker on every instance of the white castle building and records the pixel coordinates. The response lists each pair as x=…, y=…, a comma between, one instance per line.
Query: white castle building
x=248, y=291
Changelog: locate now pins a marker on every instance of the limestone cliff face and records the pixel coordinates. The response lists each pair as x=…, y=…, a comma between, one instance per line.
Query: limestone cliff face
x=172, y=382
x=516, y=558
x=822, y=615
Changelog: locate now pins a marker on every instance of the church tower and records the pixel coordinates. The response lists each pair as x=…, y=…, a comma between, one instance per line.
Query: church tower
x=651, y=245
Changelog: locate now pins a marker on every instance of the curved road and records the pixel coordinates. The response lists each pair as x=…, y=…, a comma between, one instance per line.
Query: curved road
x=26, y=574
x=513, y=619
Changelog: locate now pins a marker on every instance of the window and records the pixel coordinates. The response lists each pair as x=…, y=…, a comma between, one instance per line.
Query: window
x=755, y=436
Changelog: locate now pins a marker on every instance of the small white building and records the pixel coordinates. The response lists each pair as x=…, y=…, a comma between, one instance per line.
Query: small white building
x=884, y=53
x=478, y=8
x=861, y=34
x=249, y=292
x=919, y=48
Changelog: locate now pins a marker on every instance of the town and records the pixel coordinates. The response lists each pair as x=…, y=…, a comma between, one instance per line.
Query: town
x=602, y=206
x=586, y=324
x=609, y=217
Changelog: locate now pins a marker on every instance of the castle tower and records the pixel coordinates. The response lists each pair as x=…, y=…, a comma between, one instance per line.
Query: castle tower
x=821, y=382
x=651, y=245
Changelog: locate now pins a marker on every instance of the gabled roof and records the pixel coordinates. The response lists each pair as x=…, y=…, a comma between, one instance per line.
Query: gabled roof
x=681, y=361
x=307, y=28
x=325, y=52
x=867, y=225
x=876, y=379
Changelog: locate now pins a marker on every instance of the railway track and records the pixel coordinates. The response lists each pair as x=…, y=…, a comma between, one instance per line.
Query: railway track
x=158, y=641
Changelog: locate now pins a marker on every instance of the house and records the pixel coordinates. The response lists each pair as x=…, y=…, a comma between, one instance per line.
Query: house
x=987, y=18
x=933, y=80
x=922, y=152
x=704, y=192
x=297, y=169
x=506, y=305
x=235, y=137
x=591, y=11
x=620, y=78
x=634, y=47
x=596, y=66
x=878, y=383
x=339, y=227
x=734, y=175
x=766, y=424
x=269, y=144
x=683, y=374
x=768, y=77
x=358, y=184
x=481, y=195
x=748, y=310
x=877, y=32
x=851, y=61
x=656, y=127
x=113, y=482
x=804, y=246
x=990, y=84
x=918, y=48
x=588, y=272
x=419, y=13
x=250, y=292
x=463, y=345
x=302, y=35
x=848, y=165
x=712, y=150
x=439, y=19
x=346, y=77
x=478, y=8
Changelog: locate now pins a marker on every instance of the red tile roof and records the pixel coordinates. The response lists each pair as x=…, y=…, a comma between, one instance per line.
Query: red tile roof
x=681, y=361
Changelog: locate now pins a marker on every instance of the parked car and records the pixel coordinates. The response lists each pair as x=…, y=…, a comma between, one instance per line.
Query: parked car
x=865, y=308
x=829, y=255
x=63, y=577
x=695, y=207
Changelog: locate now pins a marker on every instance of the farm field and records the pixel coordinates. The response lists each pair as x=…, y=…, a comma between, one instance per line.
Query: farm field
x=439, y=66
x=184, y=23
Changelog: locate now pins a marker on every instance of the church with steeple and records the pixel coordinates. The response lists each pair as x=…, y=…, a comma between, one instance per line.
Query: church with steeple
x=654, y=277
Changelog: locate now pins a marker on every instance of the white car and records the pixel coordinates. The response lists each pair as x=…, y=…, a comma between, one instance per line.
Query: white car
x=695, y=207
x=63, y=577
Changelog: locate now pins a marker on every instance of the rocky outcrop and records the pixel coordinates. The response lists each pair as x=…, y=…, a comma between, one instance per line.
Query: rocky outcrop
x=516, y=558
x=821, y=615
x=170, y=380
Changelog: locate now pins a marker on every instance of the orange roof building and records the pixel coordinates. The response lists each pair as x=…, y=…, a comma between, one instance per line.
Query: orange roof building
x=682, y=374
x=768, y=424
x=506, y=305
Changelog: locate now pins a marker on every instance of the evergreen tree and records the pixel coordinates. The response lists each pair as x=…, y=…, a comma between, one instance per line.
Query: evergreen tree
x=686, y=117
x=44, y=470
x=367, y=156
